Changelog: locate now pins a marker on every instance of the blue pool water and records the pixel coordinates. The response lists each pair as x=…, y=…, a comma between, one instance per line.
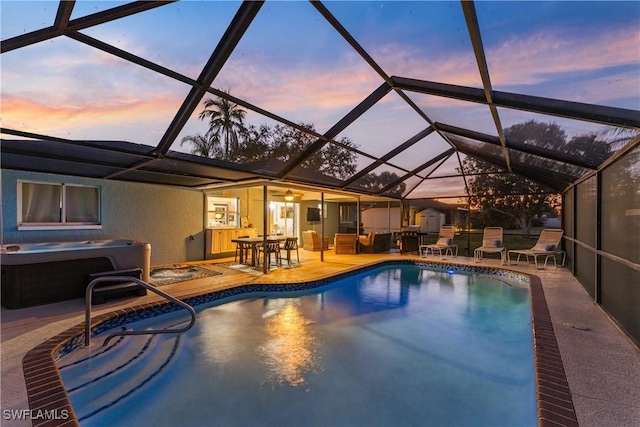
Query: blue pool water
x=394, y=346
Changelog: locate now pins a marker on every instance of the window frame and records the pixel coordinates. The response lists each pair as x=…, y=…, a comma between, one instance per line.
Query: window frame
x=226, y=207
x=63, y=224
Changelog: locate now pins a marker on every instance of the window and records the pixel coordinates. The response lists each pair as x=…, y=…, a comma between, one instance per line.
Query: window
x=52, y=206
x=347, y=212
x=222, y=212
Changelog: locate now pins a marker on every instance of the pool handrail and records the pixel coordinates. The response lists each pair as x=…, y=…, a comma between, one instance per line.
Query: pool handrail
x=87, y=309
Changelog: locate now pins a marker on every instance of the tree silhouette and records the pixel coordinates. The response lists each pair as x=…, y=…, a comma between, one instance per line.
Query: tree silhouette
x=512, y=196
x=202, y=145
x=254, y=144
x=226, y=122
x=502, y=196
x=230, y=138
x=508, y=195
x=375, y=182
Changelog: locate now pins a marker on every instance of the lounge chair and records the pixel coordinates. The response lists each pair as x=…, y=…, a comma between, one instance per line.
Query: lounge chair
x=548, y=246
x=492, y=242
x=444, y=243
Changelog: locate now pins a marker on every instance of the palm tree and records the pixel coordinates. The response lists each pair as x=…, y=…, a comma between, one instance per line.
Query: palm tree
x=204, y=146
x=226, y=120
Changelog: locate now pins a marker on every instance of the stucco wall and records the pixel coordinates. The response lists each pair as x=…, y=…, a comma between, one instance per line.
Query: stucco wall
x=166, y=217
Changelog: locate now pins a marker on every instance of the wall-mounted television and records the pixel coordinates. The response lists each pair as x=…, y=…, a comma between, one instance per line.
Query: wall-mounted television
x=313, y=215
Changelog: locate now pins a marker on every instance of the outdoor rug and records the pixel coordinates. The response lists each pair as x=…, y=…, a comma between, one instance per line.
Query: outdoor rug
x=244, y=268
x=167, y=275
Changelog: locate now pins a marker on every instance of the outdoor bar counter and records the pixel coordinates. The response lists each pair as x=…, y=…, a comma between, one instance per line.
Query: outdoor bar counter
x=42, y=273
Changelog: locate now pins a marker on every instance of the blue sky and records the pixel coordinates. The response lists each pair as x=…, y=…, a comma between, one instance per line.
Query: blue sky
x=293, y=63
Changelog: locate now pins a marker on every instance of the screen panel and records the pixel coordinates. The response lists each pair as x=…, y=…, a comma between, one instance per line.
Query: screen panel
x=621, y=295
x=585, y=269
x=586, y=208
x=621, y=207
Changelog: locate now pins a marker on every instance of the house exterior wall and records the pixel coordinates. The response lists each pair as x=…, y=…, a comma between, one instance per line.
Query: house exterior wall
x=330, y=222
x=170, y=219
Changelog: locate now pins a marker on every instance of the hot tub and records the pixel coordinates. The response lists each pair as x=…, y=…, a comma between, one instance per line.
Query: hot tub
x=42, y=273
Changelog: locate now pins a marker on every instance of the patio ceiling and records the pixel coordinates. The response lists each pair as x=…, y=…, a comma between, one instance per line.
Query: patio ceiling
x=110, y=91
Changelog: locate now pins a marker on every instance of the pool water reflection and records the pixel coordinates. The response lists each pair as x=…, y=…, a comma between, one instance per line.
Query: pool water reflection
x=290, y=348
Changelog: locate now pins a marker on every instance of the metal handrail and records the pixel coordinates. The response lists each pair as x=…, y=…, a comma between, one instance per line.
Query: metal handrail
x=87, y=309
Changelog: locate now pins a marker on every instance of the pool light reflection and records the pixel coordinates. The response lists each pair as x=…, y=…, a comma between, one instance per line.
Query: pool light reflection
x=290, y=350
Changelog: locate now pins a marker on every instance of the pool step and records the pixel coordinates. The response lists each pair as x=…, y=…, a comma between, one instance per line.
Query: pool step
x=110, y=374
x=96, y=361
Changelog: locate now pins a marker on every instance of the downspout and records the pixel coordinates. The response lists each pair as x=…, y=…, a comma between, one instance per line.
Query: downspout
x=469, y=227
x=598, y=235
x=265, y=214
x=322, y=227
x=358, y=220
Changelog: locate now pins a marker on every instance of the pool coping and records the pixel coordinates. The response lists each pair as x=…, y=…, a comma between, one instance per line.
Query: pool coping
x=50, y=405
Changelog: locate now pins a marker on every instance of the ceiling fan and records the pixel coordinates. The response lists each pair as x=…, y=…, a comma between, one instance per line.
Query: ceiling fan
x=288, y=195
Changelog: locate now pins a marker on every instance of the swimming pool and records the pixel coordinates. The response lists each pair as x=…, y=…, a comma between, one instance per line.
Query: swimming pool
x=396, y=345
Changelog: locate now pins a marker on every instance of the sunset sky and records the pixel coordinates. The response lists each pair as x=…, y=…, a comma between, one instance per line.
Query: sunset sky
x=294, y=64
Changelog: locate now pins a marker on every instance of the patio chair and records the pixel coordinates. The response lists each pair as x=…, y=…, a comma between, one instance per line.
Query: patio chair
x=241, y=249
x=271, y=248
x=547, y=246
x=444, y=243
x=492, y=242
x=291, y=244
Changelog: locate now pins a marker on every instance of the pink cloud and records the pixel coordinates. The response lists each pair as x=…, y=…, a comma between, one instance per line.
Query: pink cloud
x=126, y=95
x=413, y=61
x=56, y=118
x=528, y=60
x=440, y=187
x=280, y=89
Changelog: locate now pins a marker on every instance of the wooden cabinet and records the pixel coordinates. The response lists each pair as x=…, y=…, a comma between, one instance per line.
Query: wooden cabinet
x=218, y=240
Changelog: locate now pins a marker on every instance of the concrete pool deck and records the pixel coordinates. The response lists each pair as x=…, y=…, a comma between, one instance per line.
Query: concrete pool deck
x=602, y=365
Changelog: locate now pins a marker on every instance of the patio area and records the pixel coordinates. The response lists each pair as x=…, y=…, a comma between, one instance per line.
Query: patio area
x=601, y=363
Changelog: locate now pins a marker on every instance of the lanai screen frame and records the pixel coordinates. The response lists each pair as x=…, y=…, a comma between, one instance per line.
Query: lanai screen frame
x=247, y=11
